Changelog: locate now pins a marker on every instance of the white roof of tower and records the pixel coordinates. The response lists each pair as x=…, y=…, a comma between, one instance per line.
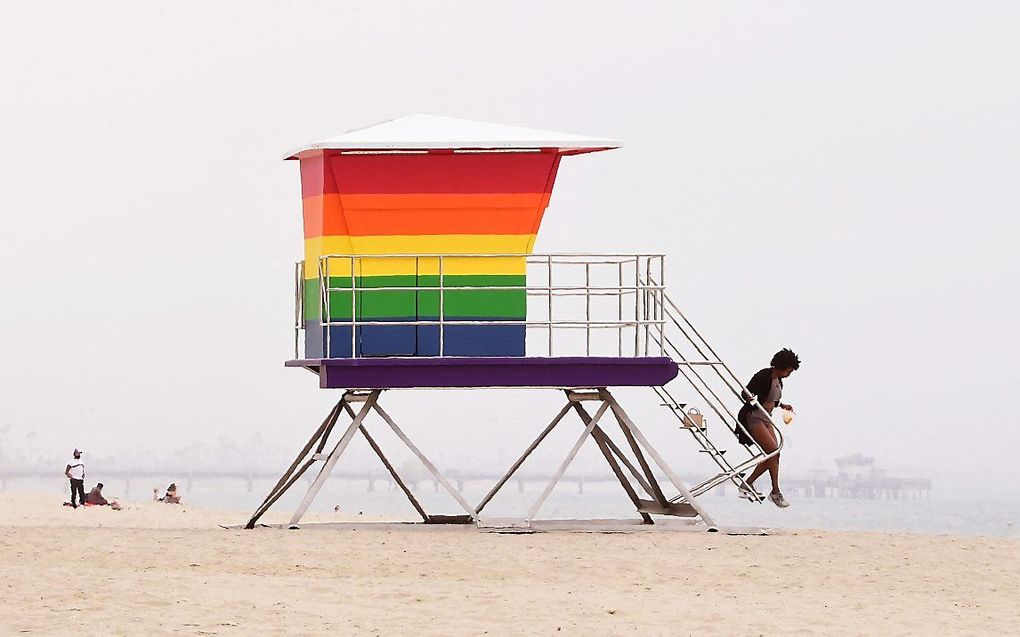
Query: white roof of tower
x=422, y=132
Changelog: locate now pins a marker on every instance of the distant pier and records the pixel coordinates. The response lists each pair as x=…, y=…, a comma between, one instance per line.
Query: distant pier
x=869, y=487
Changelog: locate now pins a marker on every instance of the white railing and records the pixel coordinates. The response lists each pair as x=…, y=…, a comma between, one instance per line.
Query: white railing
x=580, y=296
x=583, y=304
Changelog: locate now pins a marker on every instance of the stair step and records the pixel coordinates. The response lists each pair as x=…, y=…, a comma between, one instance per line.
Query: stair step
x=449, y=519
x=682, y=510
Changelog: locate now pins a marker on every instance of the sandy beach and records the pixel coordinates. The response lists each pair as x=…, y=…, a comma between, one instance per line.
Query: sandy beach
x=162, y=568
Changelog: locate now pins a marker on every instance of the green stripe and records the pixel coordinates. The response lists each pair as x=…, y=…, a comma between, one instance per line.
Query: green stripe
x=423, y=303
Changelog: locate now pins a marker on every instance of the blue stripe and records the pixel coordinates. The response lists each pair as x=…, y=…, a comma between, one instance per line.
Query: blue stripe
x=411, y=340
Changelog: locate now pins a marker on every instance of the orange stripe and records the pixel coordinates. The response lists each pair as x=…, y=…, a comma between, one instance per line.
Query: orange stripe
x=379, y=215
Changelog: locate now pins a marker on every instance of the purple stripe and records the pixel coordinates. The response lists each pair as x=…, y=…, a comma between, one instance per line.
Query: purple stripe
x=382, y=373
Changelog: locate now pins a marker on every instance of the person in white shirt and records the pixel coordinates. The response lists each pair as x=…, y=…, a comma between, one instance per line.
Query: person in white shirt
x=75, y=472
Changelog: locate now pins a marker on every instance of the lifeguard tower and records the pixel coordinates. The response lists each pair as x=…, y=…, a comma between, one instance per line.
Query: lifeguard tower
x=419, y=272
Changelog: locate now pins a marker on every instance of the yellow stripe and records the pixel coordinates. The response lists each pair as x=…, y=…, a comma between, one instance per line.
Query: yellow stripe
x=419, y=266
x=423, y=244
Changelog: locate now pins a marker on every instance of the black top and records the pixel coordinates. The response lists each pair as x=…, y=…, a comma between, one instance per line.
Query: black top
x=759, y=387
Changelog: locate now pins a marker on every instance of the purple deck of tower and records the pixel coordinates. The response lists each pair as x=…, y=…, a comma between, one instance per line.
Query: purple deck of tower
x=584, y=371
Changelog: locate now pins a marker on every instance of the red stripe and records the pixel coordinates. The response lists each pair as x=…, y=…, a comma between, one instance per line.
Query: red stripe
x=428, y=173
x=312, y=171
x=548, y=194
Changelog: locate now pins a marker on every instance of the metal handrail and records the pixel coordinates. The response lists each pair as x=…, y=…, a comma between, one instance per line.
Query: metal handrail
x=642, y=305
x=528, y=288
x=527, y=255
x=523, y=322
x=645, y=318
x=649, y=310
x=730, y=473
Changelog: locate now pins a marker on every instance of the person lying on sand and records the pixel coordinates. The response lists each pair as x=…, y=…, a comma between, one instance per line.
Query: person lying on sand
x=767, y=388
x=95, y=498
x=171, y=497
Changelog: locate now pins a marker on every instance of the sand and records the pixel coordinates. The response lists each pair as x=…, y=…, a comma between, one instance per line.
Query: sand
x=158, y=568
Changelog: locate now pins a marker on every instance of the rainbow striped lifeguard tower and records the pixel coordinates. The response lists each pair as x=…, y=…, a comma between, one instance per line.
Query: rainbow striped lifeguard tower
x=419, y=272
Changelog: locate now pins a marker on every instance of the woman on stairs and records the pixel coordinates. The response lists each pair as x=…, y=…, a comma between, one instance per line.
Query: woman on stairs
x=767, y=387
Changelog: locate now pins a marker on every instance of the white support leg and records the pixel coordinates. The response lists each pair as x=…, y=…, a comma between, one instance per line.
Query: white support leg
x=566, y=463
x=428, y=464
x=625, y=420
x=334, y=456
x=524, y=456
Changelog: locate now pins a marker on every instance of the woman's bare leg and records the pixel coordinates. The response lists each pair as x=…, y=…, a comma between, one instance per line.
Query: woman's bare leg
x=764, y=436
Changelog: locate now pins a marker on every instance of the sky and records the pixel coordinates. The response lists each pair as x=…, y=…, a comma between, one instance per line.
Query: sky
x=837, y=178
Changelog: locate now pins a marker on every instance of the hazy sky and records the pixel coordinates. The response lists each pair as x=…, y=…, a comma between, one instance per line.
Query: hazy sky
x=836, y=177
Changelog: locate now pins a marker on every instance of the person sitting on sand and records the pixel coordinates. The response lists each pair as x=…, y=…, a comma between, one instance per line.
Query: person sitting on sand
x=767, y=388
x=171, y=497
x=95, y=498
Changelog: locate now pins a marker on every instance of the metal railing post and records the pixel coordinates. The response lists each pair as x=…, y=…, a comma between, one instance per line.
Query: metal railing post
x=651, y=308
x=587, y=309
x=662, y=306
x=354, y=310
x=619, y=310
x=649, y=312
x=324, y=319
x=637, y=303
x=299, y=305
x=442, y=311
x=549, y=289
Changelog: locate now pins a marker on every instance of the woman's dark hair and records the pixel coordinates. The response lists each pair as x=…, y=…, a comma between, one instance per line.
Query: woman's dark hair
x=785, y=359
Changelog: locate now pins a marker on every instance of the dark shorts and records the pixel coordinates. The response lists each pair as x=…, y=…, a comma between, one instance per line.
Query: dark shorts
x=750, y=417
